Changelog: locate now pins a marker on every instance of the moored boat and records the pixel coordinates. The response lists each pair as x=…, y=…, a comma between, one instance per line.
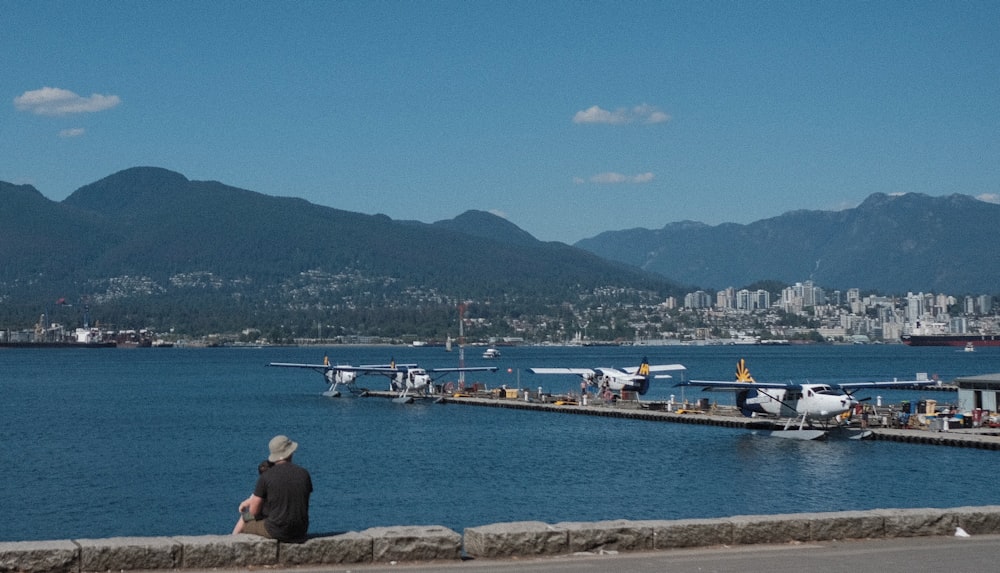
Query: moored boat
x=950, y=339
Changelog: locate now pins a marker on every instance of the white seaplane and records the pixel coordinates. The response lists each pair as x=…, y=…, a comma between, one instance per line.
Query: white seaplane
x=336, y=375
x=409, y=380
x=412, y=381
x=617, y=380
x=802, y=404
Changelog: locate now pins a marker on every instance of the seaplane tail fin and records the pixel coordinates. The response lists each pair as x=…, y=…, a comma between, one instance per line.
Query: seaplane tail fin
x=643, y=368
x=743, y=376
x=643, y=371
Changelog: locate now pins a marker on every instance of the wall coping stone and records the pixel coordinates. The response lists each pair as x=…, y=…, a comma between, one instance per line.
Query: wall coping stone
x=214, y=551
x=414, y=543
x=129, y=553
x=518, y=539
x=39, y=556
x=341, y=548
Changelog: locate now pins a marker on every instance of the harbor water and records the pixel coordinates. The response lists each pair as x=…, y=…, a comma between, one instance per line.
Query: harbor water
x=142, y=442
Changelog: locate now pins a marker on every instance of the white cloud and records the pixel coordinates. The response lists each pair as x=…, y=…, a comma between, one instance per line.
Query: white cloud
x=649, y=114
x=644, y=113
x=612, y=178
x=57, y=101
x=498, y=213
x=72, y=132
x=597, y=115
x=989, y=198
x=608, y=178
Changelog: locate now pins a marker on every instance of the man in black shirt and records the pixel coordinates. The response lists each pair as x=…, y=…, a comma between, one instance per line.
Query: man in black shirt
x=280, y=500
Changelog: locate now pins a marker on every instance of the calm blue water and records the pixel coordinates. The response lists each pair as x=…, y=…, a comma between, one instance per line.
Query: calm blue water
x=102, y=443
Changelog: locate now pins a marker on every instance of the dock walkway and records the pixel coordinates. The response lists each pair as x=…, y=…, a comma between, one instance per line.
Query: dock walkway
x=723, y=416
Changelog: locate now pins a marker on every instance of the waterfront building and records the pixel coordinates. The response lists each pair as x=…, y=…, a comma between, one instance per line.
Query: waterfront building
x=981, y=391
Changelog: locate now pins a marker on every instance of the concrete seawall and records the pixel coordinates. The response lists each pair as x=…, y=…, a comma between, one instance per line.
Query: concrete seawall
x=501, y=540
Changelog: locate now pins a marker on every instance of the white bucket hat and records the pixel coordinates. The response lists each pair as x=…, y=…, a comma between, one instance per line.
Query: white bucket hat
x=281, y=448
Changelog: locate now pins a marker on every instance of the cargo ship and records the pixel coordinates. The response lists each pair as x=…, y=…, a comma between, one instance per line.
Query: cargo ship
x=950, y=339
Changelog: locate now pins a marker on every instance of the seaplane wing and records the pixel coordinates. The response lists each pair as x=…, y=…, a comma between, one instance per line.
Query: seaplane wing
x=658, y=368
x=576, y=371
x=443, y=371
x=388, y=369
x=296, y=365
x=339, y=367
x=922, y=380
x=729, y=385
x=634, y=379
x=394, y=369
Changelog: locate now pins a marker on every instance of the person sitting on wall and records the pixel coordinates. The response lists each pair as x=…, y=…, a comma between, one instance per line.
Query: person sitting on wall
x=280, y=500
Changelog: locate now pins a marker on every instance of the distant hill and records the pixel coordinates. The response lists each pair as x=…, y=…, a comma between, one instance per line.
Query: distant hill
x=148, y=247
x=488, y=226
x=147, y=241
x=892, y=244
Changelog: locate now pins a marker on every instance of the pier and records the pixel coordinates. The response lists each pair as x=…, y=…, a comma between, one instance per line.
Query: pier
x=722, y=416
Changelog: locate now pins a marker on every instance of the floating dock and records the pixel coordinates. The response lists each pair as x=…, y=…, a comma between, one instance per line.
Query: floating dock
x=723, y=416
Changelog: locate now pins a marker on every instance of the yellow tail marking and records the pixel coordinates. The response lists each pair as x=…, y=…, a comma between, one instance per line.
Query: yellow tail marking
x=742, y=372
x=643, y=369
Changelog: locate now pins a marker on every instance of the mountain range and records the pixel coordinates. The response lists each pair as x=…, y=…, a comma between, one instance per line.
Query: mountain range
x=200, y=247
x=889, y=243
x=147, y=241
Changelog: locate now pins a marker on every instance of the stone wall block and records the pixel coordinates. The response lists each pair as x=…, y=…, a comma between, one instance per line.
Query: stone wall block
x=979, y=520
x=917, y=522
x=751, y=529
x=516, y=539
x=614, y=535
x=39, y=557
x=343, y=548
x=691, y=533
x=214, y=551
x=129, y=553
x=845, y=525
x=414, y=543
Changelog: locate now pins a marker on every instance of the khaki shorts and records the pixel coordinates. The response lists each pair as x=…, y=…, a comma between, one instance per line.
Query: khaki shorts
x=256, y=527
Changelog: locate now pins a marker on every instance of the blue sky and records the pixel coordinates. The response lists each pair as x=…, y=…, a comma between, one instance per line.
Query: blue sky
x=567, y=118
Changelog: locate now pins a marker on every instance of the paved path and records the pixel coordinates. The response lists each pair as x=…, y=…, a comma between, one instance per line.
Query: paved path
x=978, y=554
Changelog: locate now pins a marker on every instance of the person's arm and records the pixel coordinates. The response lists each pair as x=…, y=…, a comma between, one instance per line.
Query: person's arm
x=255, y=504
x=245, y=504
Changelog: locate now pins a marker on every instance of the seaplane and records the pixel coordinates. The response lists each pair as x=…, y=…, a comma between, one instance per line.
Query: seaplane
x=617, y=380
x=336, y=375
x=802, y=405
x=411, y=381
